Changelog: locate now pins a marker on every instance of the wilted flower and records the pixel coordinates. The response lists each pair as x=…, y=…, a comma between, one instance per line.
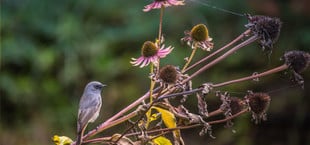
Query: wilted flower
x=297, y=60
x=198, y=37
x=236, y=105
x=157, y=4
x=230, y=106
x=266, y=28
x=150, y=53
x=258, y=103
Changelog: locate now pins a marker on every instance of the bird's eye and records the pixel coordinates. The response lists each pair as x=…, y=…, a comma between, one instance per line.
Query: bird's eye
x=98, y=86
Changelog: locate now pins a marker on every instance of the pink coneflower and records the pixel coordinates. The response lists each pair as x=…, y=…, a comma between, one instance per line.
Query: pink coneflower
x=198, y=37
x=150, y=53
x=157, y=4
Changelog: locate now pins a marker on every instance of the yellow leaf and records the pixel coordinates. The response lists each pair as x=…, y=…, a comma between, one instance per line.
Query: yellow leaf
x=62, y=140
x=170, y=122
x=161, y=141
x=148, y=118
x=167, y=117
x=151, y=117
x=154, y=117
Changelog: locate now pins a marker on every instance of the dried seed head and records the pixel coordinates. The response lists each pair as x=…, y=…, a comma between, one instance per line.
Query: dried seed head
x=258, y=103
x=200, y=32
x=149, y=49
x=168, y=74
x=266, y=28
x=297, y=60
x=236, y=105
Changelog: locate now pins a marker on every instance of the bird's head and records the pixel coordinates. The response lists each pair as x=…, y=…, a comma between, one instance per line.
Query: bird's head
x=94, y=86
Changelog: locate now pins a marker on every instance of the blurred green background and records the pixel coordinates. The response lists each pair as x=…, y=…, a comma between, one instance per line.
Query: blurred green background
x=51, y=49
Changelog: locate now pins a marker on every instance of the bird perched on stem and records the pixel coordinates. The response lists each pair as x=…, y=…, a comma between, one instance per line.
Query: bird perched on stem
x=89, y=107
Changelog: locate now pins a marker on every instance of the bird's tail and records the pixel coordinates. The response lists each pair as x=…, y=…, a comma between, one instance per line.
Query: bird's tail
x=79, y=139
x=80, y=132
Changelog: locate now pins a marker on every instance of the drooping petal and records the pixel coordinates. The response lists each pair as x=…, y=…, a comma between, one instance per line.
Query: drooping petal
x=136, y=62
x=164, y=52
x=145, y=62
x=164, y=3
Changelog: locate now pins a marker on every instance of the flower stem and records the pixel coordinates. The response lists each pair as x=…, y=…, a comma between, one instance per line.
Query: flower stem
x=148, y=113
x=190, y=58
x=160, y=23
x=274, y=70
x=220, y=58
x=247, y=32
x=152, y=82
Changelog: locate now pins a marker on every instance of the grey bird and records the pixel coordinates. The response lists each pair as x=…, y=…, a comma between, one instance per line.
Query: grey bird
x=89, y=107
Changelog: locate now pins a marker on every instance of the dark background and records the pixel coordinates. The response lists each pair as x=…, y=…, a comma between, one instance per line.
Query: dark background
x=51, y=49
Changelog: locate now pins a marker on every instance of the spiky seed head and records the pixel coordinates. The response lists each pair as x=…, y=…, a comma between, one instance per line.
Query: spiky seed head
x=297, y=60
x=266, y=28
x=168, y=74
x=259, y=102
x=236, y=105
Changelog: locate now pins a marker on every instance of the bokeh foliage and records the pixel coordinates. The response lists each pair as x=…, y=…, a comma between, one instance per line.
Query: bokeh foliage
x=51, y=49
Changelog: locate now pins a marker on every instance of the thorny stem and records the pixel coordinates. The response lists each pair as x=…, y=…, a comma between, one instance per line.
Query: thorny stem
x=271, y=71
x=220, y=58
x=190, y=58
x=229, y=118
x=247, y=32
x=140, y=118
x=121, y=120
x=180, y=94
x=135, y=123
x=167, y=130
x=216, y=112
x=97, y=140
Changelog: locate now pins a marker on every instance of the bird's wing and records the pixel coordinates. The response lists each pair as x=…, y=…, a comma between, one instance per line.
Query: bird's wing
x=90, y=100
x=88, y=109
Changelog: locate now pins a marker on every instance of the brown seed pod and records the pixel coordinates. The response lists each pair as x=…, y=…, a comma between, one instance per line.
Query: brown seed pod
x=168, y=74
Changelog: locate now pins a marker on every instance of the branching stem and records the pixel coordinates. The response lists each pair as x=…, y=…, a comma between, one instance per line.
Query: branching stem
x=247, y=32
x=220, y=58
x=272, y=71
x=190, y=58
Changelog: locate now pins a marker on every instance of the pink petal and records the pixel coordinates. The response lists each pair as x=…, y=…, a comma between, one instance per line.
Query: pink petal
x=136, y=62
x=145, y=62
